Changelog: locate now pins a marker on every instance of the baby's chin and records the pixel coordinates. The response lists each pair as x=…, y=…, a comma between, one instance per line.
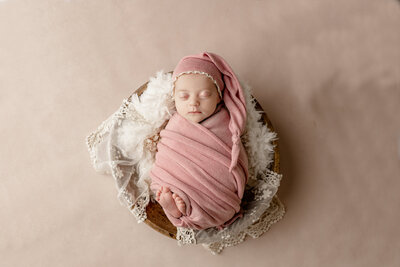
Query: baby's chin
x=194, y=118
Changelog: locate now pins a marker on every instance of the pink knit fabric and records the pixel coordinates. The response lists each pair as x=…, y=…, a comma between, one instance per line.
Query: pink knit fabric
x=228, y=83
x=193, y=160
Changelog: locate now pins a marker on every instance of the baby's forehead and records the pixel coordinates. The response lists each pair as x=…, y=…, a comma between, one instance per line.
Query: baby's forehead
x=194, y=82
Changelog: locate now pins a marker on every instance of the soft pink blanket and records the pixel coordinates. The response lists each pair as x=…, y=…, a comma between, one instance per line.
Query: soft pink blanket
x=193, y=160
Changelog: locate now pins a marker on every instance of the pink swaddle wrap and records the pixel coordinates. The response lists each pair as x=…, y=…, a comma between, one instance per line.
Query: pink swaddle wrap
x=205, y=163
x=193, y=160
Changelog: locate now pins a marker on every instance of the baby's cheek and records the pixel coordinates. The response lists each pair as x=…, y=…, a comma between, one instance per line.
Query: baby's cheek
x=177, y=105
x=180, y=109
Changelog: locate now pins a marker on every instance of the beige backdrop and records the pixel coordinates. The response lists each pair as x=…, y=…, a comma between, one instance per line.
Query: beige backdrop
x=327, y=73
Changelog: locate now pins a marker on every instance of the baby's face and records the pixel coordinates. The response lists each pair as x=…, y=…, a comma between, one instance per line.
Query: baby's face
x=196, y=96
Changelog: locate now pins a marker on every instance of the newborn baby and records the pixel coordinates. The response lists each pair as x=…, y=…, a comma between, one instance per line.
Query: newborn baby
x=201, y=165
x=196, y=98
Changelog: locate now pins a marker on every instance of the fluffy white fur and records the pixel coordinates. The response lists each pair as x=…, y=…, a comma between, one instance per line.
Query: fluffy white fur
x=257, y=138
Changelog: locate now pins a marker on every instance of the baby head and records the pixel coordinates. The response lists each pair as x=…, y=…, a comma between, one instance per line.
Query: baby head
x=196, y=96
x=197, y=88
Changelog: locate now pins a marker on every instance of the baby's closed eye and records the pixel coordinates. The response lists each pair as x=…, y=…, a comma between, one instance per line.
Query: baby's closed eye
x=183, y=95
x=205, y=94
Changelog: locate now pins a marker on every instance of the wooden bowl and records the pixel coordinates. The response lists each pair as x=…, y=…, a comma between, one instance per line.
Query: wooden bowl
x=156, y=217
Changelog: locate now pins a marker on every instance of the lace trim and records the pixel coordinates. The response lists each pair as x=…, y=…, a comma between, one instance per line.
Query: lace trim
x=97, y=136
x=125, y=111
x=271, y=181
x=185, y=236
x=197, y=72
x=139, y=209
x=274, y=214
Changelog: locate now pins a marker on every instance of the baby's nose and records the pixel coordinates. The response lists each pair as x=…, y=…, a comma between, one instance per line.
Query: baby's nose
x=194, y=102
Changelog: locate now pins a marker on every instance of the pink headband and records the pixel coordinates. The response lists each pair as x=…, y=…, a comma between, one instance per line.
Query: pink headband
x=216, y=68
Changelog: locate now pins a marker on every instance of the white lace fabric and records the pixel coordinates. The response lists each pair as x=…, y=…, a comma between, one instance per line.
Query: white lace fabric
x=129, y=160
